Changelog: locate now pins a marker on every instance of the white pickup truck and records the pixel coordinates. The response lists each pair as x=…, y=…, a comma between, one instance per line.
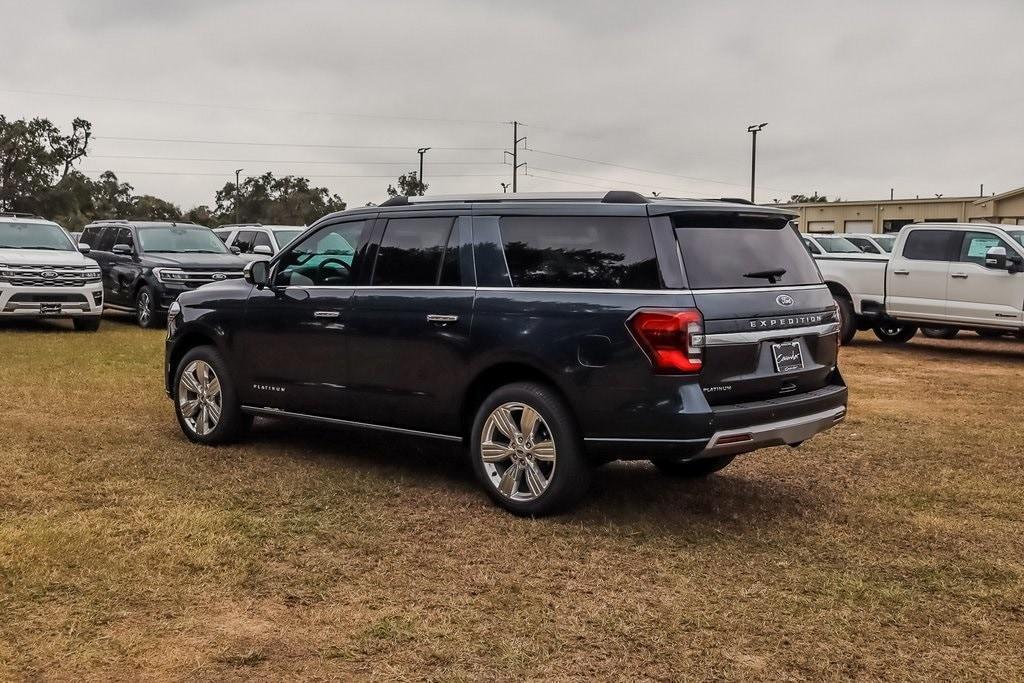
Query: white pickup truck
x=942, y=276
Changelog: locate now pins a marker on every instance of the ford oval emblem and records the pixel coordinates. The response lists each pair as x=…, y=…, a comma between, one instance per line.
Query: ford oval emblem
x=220, y=276
x=49, y=274
x=784, y=300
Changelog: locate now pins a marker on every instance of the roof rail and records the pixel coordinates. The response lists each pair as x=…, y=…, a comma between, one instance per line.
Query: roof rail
x=624, y=197
x=20, y=214
x=735, y=200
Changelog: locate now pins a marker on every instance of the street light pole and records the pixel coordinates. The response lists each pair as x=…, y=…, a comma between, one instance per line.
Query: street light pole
x=754, y=130
x=421, y=151
x=238, y=193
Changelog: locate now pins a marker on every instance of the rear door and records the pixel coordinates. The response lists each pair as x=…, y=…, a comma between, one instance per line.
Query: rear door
x=770, y=324
x=916, y=280
x=984, y=296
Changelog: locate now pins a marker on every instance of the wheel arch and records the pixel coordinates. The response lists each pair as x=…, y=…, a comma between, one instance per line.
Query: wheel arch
x=498, y=375
x=189, y=340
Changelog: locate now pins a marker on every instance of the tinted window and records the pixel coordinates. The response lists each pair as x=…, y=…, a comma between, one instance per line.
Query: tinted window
x=977, y=244
x=261, y=239
x=580, y=252
x=864, y=245
x=180, y=239
x=243, y=240
x=929, y=245
x=223, y=236
x=123, y=236
x=411, y=250
x=89, y=236
x=325, y=258
x=105, y=240
x=743, y=251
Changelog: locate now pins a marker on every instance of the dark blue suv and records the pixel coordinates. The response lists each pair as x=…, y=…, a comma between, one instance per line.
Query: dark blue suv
x=545, y=333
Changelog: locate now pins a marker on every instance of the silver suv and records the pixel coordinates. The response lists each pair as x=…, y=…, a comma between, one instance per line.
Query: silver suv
x=253, y=241
x=44, y=274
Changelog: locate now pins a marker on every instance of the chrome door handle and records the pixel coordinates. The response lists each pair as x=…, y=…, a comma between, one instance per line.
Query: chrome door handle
x=441, y=319
x=960, y=276
x=901, y=272
x=326, y=314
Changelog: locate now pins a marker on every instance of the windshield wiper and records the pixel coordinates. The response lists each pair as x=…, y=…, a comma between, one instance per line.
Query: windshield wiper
x=773, y=276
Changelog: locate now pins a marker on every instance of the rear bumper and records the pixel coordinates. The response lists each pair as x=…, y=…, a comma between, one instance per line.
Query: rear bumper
x=789, y=432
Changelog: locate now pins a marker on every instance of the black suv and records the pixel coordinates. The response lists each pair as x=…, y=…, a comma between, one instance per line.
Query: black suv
x=146, y=265
x=544, y=333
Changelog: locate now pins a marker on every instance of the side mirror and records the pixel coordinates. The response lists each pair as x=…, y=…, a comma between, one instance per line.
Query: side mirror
x=1014, y=263
x=257, y=273
x=235, y=250
x=995, y=258
x=123, y=249
x=263, y=250
x=84, y=248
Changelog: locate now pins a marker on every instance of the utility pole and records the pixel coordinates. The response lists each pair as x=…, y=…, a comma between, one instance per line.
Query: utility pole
x=421, y=151
x=504, y=188
x=515, y=153
x=754, y=130
x=237, y=193
x=892, y=193
x=981, y=190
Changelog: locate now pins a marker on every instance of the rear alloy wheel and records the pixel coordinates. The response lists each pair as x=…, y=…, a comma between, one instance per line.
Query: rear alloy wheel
x=205, y=400
x=892, y=333
x=145, y=308
x=692, y=469
x=526, y=451
x=847, y=320
x=940, y=332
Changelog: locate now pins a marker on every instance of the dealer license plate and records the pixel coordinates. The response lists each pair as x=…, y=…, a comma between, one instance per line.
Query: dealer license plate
x=788, y=356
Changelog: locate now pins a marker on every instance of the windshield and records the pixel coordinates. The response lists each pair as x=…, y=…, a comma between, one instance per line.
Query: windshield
x=34, y=236
x=286, y=236
x=838, y=245
x=886, y=243
x=740, y=251
x=181, y=240
x=1017, y=235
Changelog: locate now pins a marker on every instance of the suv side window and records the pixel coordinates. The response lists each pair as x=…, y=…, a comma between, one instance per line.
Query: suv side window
x=244, y=240
x=811, y=247
x=930, y=245
x=864, y=245
x=591, y=252
x=89, y=236
x=124, y=236
x=411, y=251
x=977, y=244
x=261, y=239
x=105, y=239
x=324, y=259
x=223, y=236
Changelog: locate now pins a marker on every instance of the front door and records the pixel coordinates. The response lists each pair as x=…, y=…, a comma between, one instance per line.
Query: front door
x=916, y=279
x=294, y=341
x=984, y=296
x=410, y=327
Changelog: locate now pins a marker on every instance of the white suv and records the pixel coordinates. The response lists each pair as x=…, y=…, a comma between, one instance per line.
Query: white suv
x=254, y=241
x=43, y=273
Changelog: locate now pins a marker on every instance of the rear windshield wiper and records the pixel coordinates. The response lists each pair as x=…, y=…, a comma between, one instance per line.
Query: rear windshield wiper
x=773, y=276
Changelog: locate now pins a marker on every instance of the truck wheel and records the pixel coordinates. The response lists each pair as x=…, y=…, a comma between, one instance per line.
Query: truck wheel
x=145, y=308
x=940, y=332
x=90, y=324
x=847, y=320
x=894, y=333
x=692, y=469
x=527, y=452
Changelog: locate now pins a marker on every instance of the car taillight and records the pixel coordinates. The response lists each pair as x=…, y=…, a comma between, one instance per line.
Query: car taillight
x=672, y=339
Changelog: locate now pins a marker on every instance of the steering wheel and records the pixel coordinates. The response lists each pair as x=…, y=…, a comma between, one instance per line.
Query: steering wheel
x=325, y=277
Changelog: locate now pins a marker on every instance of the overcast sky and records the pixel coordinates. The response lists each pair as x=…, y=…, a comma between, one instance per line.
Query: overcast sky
x=859, y=97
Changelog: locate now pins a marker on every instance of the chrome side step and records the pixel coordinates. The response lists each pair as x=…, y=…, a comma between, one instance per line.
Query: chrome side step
x=287, y=414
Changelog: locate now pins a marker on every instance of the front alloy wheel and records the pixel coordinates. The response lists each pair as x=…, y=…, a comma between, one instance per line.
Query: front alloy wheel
x=145, y=308
x=518, y=451
x=199, y=397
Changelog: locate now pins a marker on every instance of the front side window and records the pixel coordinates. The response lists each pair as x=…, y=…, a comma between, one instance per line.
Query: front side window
x=48, y=236
x=580, y=252
x=261, y=239
x=324, y=259
x=976, y=245
x=283, y=237
x=105, y=239
x=123, y=236
x=838, y=245
x=811, y=247
x=243, y=241
x=864, y=245
x=89, y=236
x=180, y=239
x=886, y=242
x=411, y=251
x=930, y=245
x=1018, y=235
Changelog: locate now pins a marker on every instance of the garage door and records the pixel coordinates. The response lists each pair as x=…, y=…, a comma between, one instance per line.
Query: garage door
x=859, y=226
x=821, y=226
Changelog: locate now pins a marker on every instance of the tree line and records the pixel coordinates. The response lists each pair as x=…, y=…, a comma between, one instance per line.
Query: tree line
x=38, y=176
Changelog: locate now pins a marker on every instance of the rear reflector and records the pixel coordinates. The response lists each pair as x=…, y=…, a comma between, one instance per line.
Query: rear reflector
x=735, y=438
x=672, y=339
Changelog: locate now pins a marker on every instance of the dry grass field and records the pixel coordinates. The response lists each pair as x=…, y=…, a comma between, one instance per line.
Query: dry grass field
x=890, y=548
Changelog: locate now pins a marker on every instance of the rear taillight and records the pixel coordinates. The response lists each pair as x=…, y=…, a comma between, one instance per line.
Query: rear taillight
x=672, y=339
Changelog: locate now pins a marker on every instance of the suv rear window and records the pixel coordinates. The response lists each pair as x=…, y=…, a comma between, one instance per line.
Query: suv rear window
x=732, y=251
x=580, y=252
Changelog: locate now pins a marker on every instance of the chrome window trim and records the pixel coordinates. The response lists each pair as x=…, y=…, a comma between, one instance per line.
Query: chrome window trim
x=730, y=338
x=569, y=290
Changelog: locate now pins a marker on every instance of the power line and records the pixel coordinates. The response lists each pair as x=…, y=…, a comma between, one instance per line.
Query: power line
x=291, y=161
x=227, y=173
x=191, y=141
x=242, y=107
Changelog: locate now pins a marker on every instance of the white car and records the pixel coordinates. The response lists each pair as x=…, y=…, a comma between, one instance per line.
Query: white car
x=872, y=243
x=831, y=246
x=44, y=274
x=254, y=241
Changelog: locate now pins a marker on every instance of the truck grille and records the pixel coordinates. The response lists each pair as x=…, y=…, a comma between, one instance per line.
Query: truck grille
x=197, y=278
x=49, y=276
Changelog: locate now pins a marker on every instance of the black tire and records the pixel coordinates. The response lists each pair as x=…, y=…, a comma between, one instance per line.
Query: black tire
x=145, y=308
x=940, y=332
x=233, y=423
x=692, y=469
x=568, y=476
x=90, y=324
x=895, y=334
x=990, y=334
x=847, y=320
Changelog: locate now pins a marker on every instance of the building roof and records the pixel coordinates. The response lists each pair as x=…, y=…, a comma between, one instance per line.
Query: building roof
x=912, y=200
